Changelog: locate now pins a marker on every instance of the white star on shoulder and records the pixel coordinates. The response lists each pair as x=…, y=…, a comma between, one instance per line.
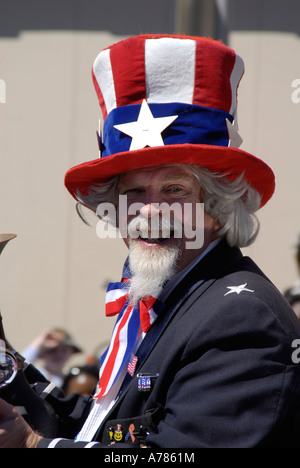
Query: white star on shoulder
x=238, y=289
x=146, y=131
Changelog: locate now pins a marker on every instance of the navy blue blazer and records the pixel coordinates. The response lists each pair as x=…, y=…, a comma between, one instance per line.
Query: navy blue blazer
x=215, y=370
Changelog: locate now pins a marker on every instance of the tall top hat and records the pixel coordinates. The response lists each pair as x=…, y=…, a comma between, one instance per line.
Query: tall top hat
x=166, y=100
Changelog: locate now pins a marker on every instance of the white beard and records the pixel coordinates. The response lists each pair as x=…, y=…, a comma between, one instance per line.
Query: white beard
x=150, y=269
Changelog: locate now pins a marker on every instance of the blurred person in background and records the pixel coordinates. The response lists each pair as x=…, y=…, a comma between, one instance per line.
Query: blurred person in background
x=292, y=295
x=81, y=379
x=53, y=348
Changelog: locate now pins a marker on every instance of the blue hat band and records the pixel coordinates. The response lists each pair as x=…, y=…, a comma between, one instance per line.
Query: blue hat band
x=194, y=125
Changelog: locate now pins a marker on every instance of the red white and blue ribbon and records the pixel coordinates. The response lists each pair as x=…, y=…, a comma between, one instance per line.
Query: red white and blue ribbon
x=131, y=322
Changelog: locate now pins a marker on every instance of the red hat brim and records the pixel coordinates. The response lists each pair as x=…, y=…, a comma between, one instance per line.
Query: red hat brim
x=229, y=161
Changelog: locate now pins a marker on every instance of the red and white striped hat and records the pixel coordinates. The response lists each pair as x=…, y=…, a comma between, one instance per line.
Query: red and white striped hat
x=169, y=99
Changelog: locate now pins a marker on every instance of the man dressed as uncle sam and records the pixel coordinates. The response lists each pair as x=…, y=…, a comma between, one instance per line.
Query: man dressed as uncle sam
x=201, y=354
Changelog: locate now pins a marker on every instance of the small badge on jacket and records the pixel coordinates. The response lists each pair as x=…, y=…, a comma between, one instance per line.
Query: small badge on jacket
x=145, y=382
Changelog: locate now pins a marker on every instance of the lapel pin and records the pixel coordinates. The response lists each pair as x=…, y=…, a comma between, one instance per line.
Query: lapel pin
x=118, y=434
x=145, y=382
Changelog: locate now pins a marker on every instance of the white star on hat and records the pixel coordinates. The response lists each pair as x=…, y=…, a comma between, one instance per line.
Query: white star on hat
x=235, y=139
x=238, y=289
x=146, y=131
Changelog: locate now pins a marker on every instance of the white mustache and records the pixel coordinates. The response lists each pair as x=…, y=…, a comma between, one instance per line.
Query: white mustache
x=155, y=227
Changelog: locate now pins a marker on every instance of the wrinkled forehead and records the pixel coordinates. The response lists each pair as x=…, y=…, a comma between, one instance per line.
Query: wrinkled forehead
x=157, y=173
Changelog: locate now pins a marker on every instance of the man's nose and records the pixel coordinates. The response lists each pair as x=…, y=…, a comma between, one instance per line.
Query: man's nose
x=150, y=209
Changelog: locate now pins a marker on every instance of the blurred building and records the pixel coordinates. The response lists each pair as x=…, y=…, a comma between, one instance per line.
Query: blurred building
x=55, y=272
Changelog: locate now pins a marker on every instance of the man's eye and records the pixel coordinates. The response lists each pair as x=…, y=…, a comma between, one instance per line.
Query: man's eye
x=132, y=191
x=175, y=189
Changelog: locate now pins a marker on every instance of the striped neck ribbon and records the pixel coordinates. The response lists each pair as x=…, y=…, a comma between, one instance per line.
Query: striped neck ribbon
x=133, y=320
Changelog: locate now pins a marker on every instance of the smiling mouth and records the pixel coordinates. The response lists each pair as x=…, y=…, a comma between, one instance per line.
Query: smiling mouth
x=160, y=238
x=154, y=241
